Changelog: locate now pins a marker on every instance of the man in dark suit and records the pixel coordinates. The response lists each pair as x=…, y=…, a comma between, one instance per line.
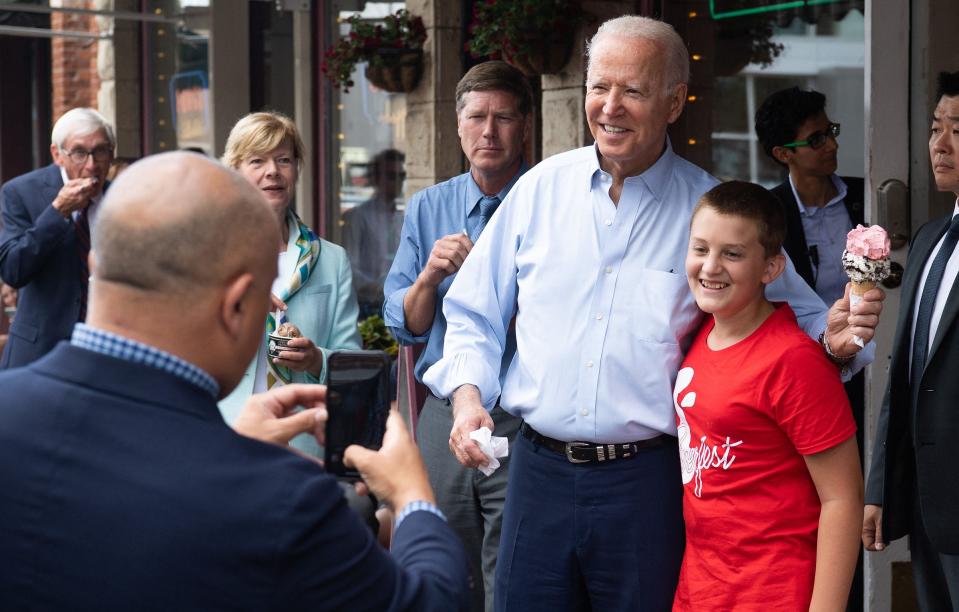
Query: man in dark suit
x=123, y=487
x=47, y=215
x=913, y=485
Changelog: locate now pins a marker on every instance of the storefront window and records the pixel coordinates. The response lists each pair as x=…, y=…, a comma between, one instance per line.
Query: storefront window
x=370, y=138
x=827, y=55
x=176, y=78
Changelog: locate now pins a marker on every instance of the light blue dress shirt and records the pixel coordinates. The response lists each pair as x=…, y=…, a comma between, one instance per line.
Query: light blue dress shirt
x=603, y=310
x=825, y=229
x=443, y=209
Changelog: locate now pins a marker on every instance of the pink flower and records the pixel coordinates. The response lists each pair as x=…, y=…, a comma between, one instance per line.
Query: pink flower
x=869, y=242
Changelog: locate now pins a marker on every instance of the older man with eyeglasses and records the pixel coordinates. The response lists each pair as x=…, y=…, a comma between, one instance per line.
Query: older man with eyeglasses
x=45, y=240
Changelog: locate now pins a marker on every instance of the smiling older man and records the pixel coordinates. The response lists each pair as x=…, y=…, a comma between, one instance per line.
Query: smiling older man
x=47, y=215
x=588, y=253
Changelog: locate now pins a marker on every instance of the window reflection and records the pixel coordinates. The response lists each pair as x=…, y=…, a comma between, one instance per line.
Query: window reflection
x=371, y=140
x=827, y=55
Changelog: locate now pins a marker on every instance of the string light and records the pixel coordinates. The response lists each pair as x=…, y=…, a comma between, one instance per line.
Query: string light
x=692, y=98
x=691, y=141
x=696, y=57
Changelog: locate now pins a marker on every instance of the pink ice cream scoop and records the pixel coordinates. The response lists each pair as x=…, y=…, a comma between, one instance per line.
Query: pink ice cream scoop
x=866, y=258
x=870, y=242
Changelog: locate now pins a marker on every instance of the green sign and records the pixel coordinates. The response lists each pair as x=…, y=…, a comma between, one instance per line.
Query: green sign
x=726, y=9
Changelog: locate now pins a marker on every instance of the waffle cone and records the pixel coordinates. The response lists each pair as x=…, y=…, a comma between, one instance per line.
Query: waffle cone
x=862, y=287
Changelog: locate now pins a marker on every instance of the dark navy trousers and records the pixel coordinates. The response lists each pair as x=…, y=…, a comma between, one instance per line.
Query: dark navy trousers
x=603, y=536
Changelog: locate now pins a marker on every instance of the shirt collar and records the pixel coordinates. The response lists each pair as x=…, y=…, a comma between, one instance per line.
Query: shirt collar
x=841, y=191
x=656, y=177
x=114, y=345
x=474, y=194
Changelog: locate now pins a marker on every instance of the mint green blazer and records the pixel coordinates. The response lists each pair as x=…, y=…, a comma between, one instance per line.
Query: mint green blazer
x=325, y=311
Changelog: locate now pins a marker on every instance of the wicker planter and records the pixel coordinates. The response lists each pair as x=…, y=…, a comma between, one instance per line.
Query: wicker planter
x=399, y=71
x=548, y=56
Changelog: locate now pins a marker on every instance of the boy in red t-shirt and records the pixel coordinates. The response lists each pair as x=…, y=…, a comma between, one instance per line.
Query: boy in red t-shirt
x=773, y=489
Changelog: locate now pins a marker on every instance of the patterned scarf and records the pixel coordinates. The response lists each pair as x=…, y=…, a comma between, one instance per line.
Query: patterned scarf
x=309, y=253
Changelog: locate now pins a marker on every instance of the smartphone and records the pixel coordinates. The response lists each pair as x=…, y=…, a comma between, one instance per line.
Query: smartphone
x=358, y=404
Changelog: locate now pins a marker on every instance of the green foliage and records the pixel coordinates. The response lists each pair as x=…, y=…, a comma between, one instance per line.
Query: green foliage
x=366, y=40
x=376, y=337
x=508, y=29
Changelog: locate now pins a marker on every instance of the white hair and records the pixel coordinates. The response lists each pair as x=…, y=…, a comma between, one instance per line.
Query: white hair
x=676, y=58
x=81, y=122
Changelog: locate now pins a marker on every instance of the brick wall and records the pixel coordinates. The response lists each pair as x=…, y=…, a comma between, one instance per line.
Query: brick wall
x=74, y=61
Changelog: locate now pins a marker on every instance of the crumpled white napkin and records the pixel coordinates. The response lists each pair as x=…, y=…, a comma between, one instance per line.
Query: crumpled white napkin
x=492, y=446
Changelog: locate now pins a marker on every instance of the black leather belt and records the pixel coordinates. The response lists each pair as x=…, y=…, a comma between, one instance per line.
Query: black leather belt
x=591, y=452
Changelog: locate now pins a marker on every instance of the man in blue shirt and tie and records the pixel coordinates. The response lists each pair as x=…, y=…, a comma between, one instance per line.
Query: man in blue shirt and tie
x=493, y=102
x=588, y=254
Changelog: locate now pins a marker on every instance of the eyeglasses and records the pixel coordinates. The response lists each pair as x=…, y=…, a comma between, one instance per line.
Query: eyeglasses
x=396, y=176
x=100, y=154
x=816, y=139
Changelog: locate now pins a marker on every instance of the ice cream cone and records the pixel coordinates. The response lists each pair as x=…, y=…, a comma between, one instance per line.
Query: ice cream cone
x=860, y=288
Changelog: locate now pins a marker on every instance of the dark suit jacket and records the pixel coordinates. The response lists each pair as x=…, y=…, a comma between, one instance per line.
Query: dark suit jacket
x=123, y=489
x=795, y=244
x=916, y=434
x=40, y=256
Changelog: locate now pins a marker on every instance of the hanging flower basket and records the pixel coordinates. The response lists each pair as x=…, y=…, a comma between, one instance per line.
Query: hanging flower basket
x=546, y=56
x=536, y=36
x=393, y=45
x=397, y=71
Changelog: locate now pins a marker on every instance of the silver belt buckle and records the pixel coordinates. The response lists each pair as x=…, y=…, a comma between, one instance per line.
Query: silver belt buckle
x=569, y=452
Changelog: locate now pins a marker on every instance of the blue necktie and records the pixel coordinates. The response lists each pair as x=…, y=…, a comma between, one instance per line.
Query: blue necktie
x=920, y=337
x=488, y=205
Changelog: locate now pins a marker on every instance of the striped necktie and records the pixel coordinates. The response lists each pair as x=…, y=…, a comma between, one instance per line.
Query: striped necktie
x=82, y=225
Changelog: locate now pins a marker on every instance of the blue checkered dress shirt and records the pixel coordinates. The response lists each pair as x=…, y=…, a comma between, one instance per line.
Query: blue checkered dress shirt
x=112, y=345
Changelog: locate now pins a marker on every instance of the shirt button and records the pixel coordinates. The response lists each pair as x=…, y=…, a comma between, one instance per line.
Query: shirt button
x=609, y=269
x=608, y=222
x=589, y=364
x=584, y=412
x=599, y=316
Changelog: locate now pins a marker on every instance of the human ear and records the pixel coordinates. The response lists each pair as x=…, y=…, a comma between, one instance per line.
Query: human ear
x=781, y=154
x=774, y=267
x=677, y=102
x=236, y=307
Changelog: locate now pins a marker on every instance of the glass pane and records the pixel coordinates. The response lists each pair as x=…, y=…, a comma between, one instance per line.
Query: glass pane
x=827, y=55
x=176, y=83
x=370, y=125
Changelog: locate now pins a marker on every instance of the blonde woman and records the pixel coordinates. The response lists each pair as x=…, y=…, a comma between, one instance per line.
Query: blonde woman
x=315, y=280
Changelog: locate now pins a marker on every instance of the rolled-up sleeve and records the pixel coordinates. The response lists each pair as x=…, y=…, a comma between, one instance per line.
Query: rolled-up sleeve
x=409, y=260
x=478, y=309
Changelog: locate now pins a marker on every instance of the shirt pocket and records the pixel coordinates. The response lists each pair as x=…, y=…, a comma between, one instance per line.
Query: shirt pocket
x=661, y=307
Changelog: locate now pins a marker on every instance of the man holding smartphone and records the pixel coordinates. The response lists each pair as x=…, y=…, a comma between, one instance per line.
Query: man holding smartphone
x=493, y=102
x=125, y=489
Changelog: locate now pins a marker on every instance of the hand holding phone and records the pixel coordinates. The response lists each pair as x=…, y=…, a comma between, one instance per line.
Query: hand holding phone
x=395, y=473
x=358, y=404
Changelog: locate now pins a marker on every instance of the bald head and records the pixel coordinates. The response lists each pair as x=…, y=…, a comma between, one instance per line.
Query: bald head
x=179, y=223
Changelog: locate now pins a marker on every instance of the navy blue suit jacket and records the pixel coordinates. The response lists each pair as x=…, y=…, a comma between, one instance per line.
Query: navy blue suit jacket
x=918, y=425
x=39, y=255
x=123, y=489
